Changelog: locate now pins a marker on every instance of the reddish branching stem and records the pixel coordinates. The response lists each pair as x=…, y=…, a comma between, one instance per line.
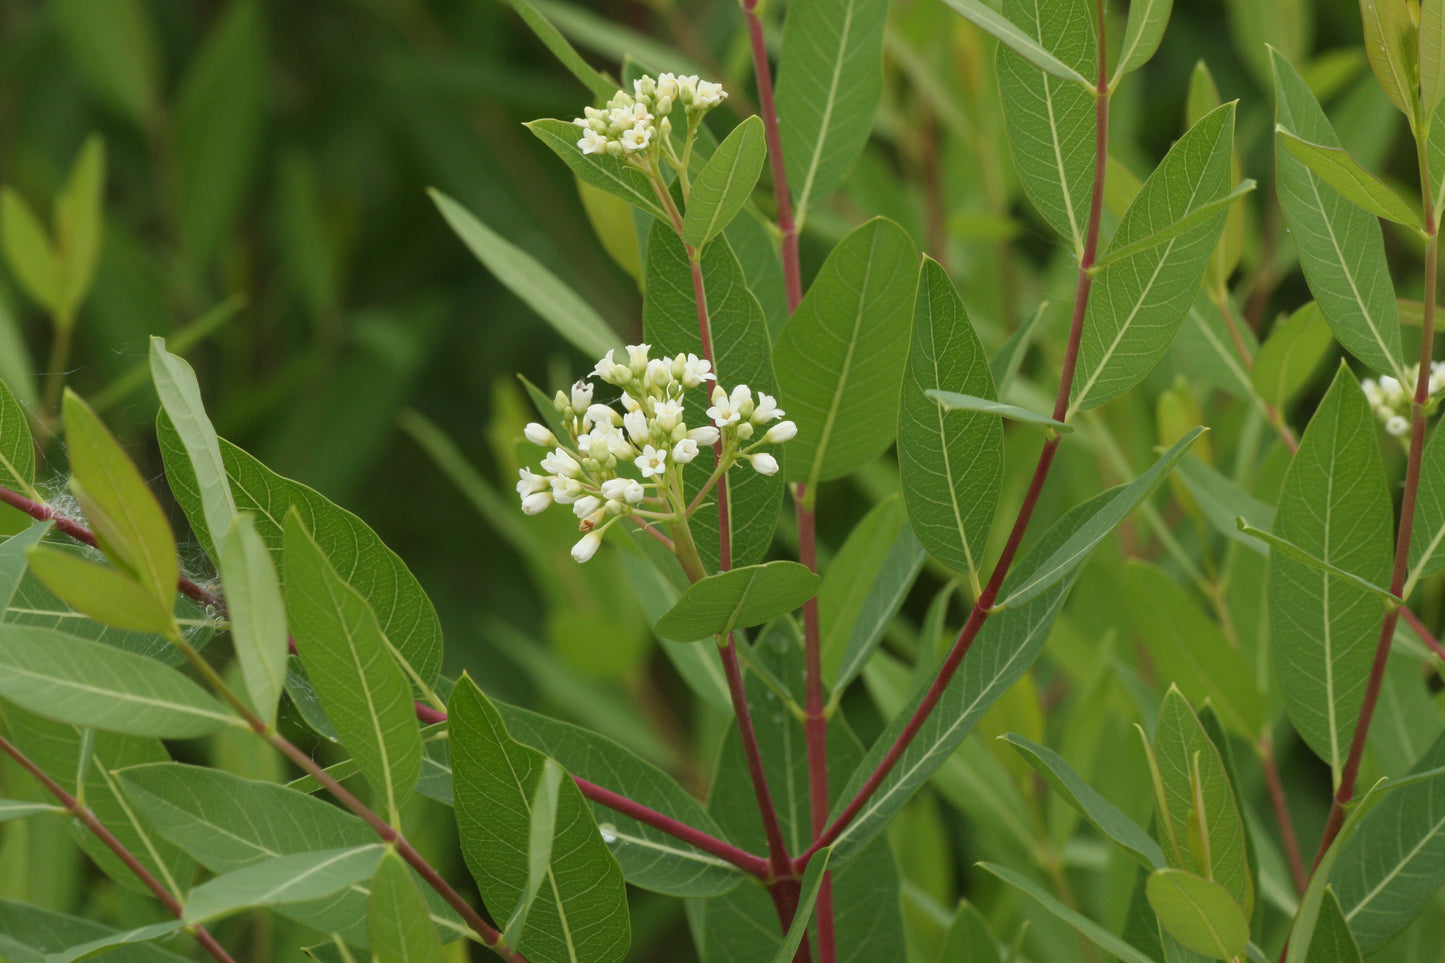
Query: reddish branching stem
x=88, y=819
x=792, y=270
x=1297, y=870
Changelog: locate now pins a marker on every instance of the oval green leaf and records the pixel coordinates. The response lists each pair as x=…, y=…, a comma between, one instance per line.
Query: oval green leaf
x=611, y=174
x=1199, y=913
x=396, y=917
x=257, y=613
x=180, y=396
x=725, y=183
x=738, y=599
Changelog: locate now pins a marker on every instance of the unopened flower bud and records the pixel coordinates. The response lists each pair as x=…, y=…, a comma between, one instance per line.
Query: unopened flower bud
x=586, y=546
x=781, y=432
x=764, y=464
x=536, y=503
x=684, y=451
x=586, y=505
x=538, y=434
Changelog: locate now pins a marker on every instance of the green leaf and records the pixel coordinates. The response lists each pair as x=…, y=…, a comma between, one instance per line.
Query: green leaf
x=597, y=83
x=1335, y=506
x=742, y=354
x=969, y=938
x=1006, y=646
x=540, y=832
x=396, y=917
x=1199, y=913
x=180, y=396
x=227, y=822
x=38, y=932
x=257, y=613
x=1206, y=347
x=14, y=552
x=950, y=456
x=105, y=594
x=1293, y=552
x=1390, y=45
x=1202, y=214
x=581, y=913
x=112, y=45
x=1338, y=169
x=1427, y=534
x=830, y=80
x=611, y=174
x=358, y=555
x=1138, y=302
x=17, y=447
x=79, y=224
x=1332, y=941
x=293, y=878
x=128, y=522
x=953, y=401
x=1102, y=814
x=1030, y=45
x=556, y=303
x=725, y=183
x=811, y=885
x=87, y=683
x=1223, y=502
x=1390, y=868
x=840, y=357
x=1341, y=247
x=1190, y=650
x=1142, y=33
x=1110, y=514
x=1431, y=54
x=32, y=257
x=1051, y=121
x=649, y=857
x=1289, y=357
x=1086, y=927
x=1200, y=827
x=11, y=809
x=349, y=658
x=738, y=599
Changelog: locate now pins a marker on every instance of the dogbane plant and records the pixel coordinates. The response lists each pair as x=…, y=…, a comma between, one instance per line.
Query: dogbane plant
x=1144, y=816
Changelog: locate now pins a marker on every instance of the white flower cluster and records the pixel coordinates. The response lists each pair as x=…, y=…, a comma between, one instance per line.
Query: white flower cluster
x=649, y=435
x=1391, y=400
x=631, y=122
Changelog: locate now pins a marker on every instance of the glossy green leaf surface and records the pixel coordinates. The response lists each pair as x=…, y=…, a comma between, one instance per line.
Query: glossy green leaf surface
x=1051, y=119
x=350, y=662
x=581, y=913
x=738, y=599
x=553, y=300
x=1334, y=504
x=611, y=174
x=840, y=357
x=29, y=934
x=1028, y=45
x=950, y=461
x=830, y=79
x=180, y=395
x=1431, y=48
x=725, y=183
x=542, y=828
x=1138, y=302
x=396, y=917
x=1341, y=248
x=257, y=613
x=85, y=683
x=1199, y=913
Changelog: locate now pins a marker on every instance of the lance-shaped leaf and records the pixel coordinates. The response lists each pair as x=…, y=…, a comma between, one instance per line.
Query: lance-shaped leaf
x=180, y=396
x=1334, y=505
x=1198, y=913
x=1289, y=356
x=1431, y=53
x=362, y=688
x=725, y=183
x=738, y=599
x=12, y=809
x=1102, y=814
x=1142, y=33
x=1199, y=823
x=1202, y=214
x=830, y=80
x=1051, y=114
x=17, y=448
x=353, y=549
x=812, y=884
x=87, y=683
x=611, y=174
x=105, y=944
x=127, y=520
x=601, y=86
x=29, y=250
x=286, y=879
x=1026, y=44
x=950, y=461
x=1333, y=942
x=258, y=614
x=1338, y=169
x=28, y=933
x=742, y=354
x=556, y=303
x=1086, y=927
x=540, y=832
x=1390, y=45
x=581, y=912
x=1293, y=552
x=396, y=917
x=1341, y=247
x=1427, y=534
x=80, y=225
x=108, y=595
x=1391, y=867
x=840, y=357
x=1138, y=301
x=1108, y=515
x=953, y=401
x=1005, y=647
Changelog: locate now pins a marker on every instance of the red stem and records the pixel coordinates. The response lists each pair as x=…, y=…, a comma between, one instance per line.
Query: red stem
x=792, y=272
x=89, y=820
x=815, y=720
x=1297, y=869
x=1425, y=635
x=985, y=601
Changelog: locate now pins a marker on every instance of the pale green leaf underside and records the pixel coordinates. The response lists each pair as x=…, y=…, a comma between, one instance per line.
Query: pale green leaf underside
x=1199, y=913
x=738, y=599
x=725, y=183
x=1339, y=170
x=953, y=401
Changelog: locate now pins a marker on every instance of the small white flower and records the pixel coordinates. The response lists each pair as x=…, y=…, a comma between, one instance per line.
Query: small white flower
x=659, y=373
x=565, y=491
x=631, y=403
x=637, y=358
x=530, y=482
x=581, y=395
x=1398, y=425
x=695, y=371
x=538, y=434
x=668, y=414
x=763, y=463
x=1389, y=387
x=604, y=367
x=781, y=432
x=627, y=490
x=592, y=142
x=600, y=415
x=704, y=436
x=725, y=409
x=586, y=505
x=666, y=87
x=684, y=451
x=708, y=95
x=767, y=409
x=586, y=546
x=536, y=503
x=651, y=461
x=637, y=427
x=636, y=138
x=559, y=462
